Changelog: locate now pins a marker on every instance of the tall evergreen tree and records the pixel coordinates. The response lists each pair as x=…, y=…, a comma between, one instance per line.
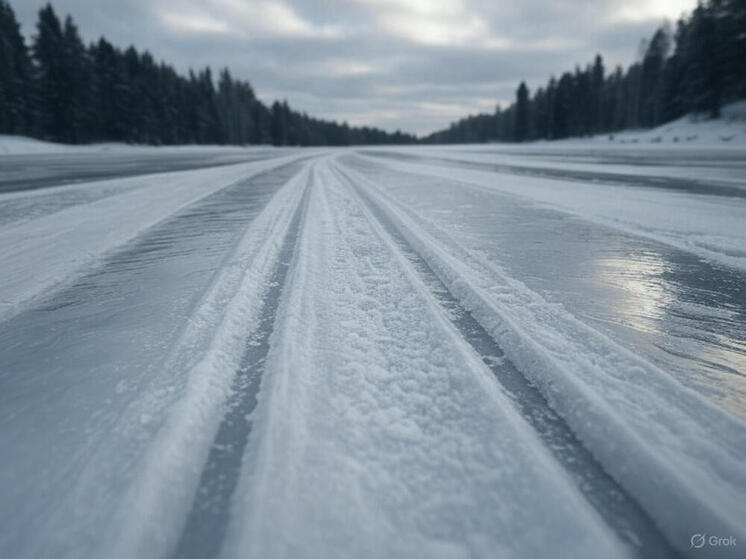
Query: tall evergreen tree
x=112, y=92
x=703, y=82
x=279, y=125
x=52, y=83
x=16, y=78
x=77, y=94
x=652, y=103
x=597, y=95
x=521, y=113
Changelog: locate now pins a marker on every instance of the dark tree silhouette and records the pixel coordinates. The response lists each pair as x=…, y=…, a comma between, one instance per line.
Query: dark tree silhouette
x=16, y=80
x=521, y=113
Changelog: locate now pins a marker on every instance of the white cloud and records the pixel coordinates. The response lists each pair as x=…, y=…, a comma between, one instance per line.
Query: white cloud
x=428, y=22
x=193, y=22
x=333, y=67
x=240, y=18
x=430, y=30
x=635, y=11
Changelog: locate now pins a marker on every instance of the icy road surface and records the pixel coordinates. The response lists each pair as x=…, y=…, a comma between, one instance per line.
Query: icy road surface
x=415, y=352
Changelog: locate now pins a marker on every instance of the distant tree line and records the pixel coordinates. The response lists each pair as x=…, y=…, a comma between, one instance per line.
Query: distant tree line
x=62, y=90
x=693, y=69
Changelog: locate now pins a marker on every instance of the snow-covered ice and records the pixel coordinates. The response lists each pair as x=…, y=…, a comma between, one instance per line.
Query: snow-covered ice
x=379, y=352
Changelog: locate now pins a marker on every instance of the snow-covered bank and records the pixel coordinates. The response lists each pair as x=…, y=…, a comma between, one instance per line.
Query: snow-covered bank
x=23, y=145
x=696, y=130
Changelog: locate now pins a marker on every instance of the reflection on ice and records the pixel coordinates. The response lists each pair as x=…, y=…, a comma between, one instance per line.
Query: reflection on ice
x=702, y=339
x=643, y=296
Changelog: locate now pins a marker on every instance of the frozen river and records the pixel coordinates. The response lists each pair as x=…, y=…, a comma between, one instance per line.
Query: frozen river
x=382, y=352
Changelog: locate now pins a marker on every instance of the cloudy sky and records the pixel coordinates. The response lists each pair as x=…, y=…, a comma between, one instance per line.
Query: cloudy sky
x=409, y=64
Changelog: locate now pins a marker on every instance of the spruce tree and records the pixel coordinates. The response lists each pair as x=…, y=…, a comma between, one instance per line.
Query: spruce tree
x=597, y=95
x=521, y=114
x=48, y=52
x=16, y=77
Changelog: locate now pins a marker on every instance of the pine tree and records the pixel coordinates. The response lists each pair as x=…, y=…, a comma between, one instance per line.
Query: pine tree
x=77, y=93
x=112, y=93
x=279, y=125
x=651, y=77
x=521, y=133
x=48, y=53
x=597, y=95
x=703, y=82
x=16, y=78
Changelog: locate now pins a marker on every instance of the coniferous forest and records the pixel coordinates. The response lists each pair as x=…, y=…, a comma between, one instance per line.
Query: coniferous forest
x=59, y=89
x=62, y=90
x=694, y=68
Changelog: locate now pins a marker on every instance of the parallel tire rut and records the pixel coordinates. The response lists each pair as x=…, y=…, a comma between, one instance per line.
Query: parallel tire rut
x=208, y=519
x=617, y=507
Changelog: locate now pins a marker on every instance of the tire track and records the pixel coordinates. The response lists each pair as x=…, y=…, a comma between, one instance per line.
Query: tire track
x=150, y=516
x=369, y=381
x=617, y=507
x=208, y=518
x=85, y=372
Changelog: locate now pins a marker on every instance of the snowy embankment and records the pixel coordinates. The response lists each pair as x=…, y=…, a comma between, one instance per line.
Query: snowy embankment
x=693, y=130
x=23, y=145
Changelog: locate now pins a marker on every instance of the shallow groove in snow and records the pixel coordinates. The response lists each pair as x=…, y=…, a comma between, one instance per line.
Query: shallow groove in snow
x=210, y=513
x=631, y=523
x=150, y=518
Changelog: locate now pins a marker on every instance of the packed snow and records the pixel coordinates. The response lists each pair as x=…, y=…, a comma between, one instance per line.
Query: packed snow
x=378, y=352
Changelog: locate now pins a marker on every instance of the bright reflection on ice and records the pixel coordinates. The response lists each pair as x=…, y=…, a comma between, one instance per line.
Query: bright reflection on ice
x=644, y=297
